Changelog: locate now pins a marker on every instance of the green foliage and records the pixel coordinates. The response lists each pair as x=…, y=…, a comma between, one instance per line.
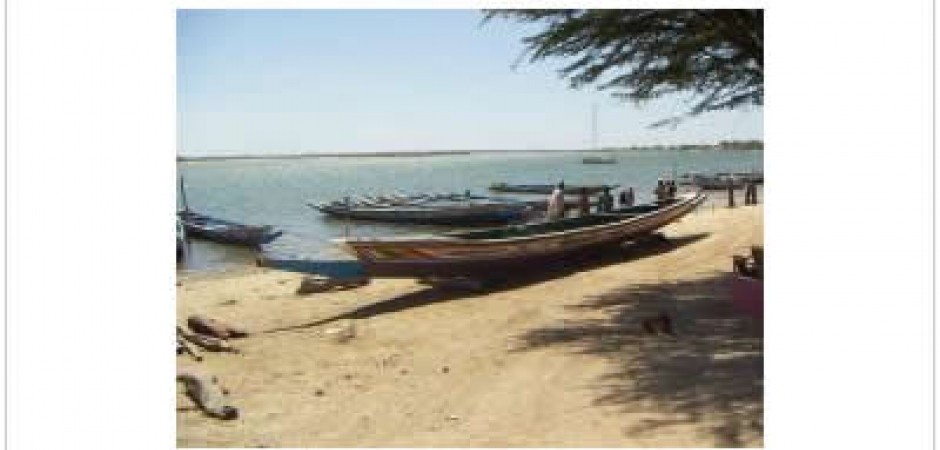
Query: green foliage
x=642, y=54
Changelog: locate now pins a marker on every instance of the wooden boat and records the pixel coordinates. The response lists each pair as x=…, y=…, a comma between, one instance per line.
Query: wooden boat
x=599, y=160
x=720, y=180
x=463, y=210
x=218, y=230
x=546, y=188
x=755, y=177
x=710, y=182
x=224, y=231
x=485, y=253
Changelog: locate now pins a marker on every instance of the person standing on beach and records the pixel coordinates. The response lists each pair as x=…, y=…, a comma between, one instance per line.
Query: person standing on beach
x=672, y=188
x=660, y=191
x=630, y=197
x=753, y=191
x=584, y=203
x=556, y=203
x=605, y=203
x=731, y=192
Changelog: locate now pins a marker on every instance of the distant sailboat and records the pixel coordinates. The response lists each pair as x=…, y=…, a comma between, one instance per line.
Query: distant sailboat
x=596, y=159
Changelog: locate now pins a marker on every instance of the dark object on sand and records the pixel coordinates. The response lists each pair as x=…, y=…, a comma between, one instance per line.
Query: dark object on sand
x=182, y=345
x=215, y=328
x=315, y=284
x=659, y=324
x=226, y=232
x=205, y=391
x=206, y=342
x=757, y=254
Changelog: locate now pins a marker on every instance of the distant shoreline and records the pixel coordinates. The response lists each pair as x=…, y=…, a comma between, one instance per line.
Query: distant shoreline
x=392, y=154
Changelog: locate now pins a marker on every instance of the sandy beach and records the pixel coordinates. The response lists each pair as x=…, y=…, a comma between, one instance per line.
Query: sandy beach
x=554, y=360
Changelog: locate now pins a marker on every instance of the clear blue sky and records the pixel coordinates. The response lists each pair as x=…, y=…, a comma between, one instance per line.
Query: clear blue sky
x=288, y=81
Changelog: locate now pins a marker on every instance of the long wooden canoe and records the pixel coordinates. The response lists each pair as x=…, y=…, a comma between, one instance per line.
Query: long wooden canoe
x=226, y=232
x=469, y=211
x=490, y=252
x=546, y=188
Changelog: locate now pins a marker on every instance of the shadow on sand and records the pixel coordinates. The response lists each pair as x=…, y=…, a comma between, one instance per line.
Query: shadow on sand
x=710, y=373
x=568, y=266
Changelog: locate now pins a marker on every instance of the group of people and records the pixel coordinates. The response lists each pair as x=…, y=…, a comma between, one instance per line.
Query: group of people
x=605, y=201
x=750, y=193
x=665, y=190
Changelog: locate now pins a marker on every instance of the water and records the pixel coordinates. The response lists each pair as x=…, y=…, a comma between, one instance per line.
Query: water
x=277, y=191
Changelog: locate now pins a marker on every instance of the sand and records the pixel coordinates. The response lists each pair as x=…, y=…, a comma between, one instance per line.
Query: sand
x=555, y=360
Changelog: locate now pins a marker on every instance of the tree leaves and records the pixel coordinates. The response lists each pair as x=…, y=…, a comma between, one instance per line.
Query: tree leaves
x=643, y=54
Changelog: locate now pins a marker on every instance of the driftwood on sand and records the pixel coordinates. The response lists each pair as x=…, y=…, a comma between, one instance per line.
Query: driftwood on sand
x=206, y=392
x=183, y=346
x=216, y=328
x=204, y=342
x=314, y=284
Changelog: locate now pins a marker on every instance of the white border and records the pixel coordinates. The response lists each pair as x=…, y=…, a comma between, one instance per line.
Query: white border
x=90, y=172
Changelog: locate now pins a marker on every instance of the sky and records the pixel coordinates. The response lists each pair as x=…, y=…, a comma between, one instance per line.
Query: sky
x=297, y=81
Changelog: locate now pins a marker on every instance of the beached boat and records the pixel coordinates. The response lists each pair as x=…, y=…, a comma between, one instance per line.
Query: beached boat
x=440, y=210
x=599, y=160
x=546, y=188
x=486, y=253
x=226, y=232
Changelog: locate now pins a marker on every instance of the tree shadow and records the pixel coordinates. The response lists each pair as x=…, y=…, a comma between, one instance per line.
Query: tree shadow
x=570, y=265
x=709, y=375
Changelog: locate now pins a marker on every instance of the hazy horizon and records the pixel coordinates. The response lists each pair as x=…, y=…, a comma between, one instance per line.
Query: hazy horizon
x=278, y=82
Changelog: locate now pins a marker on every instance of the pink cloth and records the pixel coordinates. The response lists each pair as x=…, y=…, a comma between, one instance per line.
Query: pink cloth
x=748, y=295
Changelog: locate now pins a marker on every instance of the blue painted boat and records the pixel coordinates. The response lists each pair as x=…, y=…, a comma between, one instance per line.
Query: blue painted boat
x=223, y=231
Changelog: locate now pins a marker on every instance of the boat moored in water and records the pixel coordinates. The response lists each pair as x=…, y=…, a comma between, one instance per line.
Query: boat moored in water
x=599, y=160
x=721, y=180
x=434, y=209
x=225, y=232
x=547, y=188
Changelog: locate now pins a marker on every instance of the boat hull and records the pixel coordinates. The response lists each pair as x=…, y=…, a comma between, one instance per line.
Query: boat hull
x=225, y=232
x=545, y=188
x=488, y=258
x=721, y=181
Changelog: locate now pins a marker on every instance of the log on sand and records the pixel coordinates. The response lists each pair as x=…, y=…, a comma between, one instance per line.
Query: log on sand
x=205, y=391
x=212, y=327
